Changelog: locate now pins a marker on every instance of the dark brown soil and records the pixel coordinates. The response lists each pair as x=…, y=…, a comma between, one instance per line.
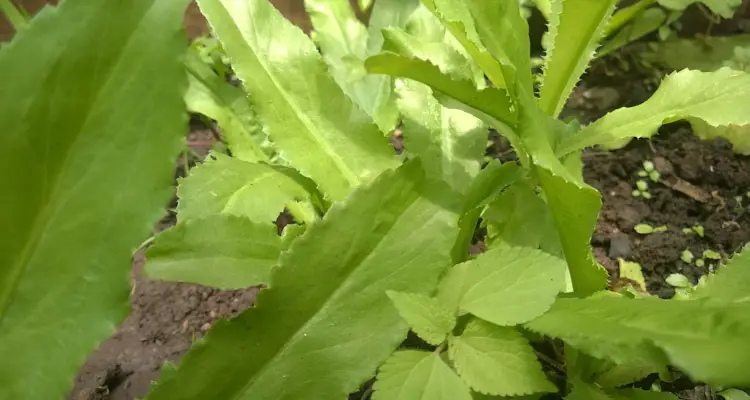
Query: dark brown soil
x=700, y=185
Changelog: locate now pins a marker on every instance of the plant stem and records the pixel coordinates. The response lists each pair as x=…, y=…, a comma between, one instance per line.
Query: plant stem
x=14, y=15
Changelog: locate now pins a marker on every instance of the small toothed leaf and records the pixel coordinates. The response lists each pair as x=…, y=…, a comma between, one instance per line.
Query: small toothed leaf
x=585, y=391
x=575, y=28
x=497, y=360
x=418, y=375
x=729, y=283
x=505, y=285
x=430, y=320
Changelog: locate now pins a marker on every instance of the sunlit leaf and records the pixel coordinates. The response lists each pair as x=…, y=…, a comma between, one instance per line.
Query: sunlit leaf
x=418, y=375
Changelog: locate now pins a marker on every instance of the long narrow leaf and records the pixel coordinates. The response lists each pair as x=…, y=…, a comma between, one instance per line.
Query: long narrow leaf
x=93, y=119
x=327, y=323
x=491, y=101
x=575, y=28
x=314, y=125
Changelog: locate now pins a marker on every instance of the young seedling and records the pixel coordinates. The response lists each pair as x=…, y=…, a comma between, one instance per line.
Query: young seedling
x=645, y=229
x=687, y=256
x=641, y=189
x=695, y=229
x=712, y=255
x=649, y=171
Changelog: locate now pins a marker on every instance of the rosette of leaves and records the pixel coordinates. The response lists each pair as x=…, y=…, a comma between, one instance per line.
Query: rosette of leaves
x=385, y=242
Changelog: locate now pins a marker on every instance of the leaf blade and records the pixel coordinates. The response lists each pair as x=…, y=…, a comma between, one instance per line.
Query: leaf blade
x=418, y=375
x=76, y=220
x=425, y=315
x=324, y=281
x=315, y=126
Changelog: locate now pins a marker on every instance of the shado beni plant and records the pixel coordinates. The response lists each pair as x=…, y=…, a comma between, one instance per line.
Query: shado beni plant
x=380, y=243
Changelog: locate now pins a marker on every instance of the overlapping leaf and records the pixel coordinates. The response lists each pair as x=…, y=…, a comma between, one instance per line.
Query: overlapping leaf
x=418, y=375
x=575, y=28
x=223, y=251
x=425, y=315
x=210, y=95
x=704, y=339
x=506, y=285
x=314, y=125
x=497, y=360
x=226, y=185
x=584, y=391
x=730, y=283
x=309, y=337
x=93, y=118
x=343, y=41
x=717, y=98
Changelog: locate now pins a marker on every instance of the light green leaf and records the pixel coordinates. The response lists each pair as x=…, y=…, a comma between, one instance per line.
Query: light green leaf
x=584, y=391
x=210, y=95
x=734, y=394
x=725, y=8
x=314, y=125
x=506, y=285
x=505, y=33
x=451, y=143
x=487, y=184
x=457, y=19
x=343, y=41
x=497, y=360
x=738, y=135
x=707, y=53
x=648, y=21
x=704, y=339
x=730, y=283
x=520, y=206
x=309, y=337
x=226, y=185
x=425, y=315
x=714, y=97
x=387, y=13
x=93, y=119
x=418, y=375
x=223, y=251
x=632, y=270
x=439, y=53
x=490, y=101
x=575, y=28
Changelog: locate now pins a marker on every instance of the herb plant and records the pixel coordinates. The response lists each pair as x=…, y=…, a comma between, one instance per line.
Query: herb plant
x=385, y=246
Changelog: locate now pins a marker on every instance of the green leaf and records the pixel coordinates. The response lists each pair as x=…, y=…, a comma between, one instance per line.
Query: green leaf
x=451, y=143
x=575, y=27
x=713, y=97
x=425, y=315
x=418, y=375
x=223, y=251
x=490, y=101
x=738, y=135
x=725, y=8
x=632, y=270
x=730, y=283
x=706, y=54
x=387, y=13
x=364, y=5
x=457, y=18
x=309, y=337
x=734, y=394
x=210, y=95
x=226, y=185
x=506, y=285
x=584, y=391
x=343, y=41
x=648, y=21
x=315, y=126
x=93, y=119
x=704, y=339
x=487, y=184
x=497, y=360
x=505, y=33
x=520, y=206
